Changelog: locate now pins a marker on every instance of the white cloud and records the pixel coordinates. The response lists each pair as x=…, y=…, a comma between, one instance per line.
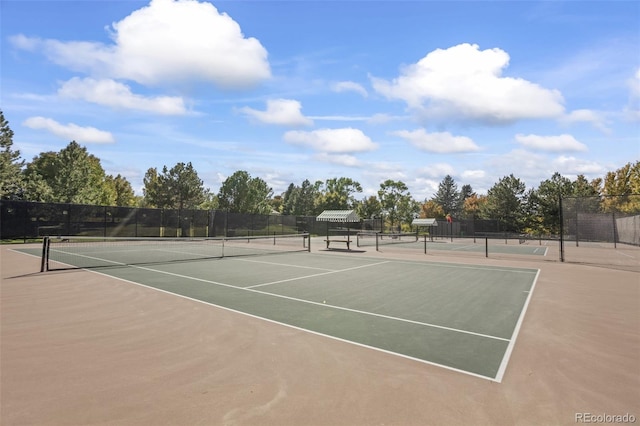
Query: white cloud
x=559, y=143
x=522, y=164
x=70, y=131
x=575, y=166
x=474, y=174
x=285, y=112
x=349, y=86
x=339, y=118
x=586, y=116
x=382, y=118
x=439, y=142
x=25, y=43
x=118, y=95
x=634, y=84
x=465, y=83
x=632, y=111
x=343, y=140
x=438, y=170
x=339, y=159
x=167, y=41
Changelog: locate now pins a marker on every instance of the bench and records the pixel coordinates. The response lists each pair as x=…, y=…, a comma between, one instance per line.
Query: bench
x=347, y=242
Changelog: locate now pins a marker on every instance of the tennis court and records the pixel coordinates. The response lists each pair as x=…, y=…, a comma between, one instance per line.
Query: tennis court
x=461, y=317
x=480, y=245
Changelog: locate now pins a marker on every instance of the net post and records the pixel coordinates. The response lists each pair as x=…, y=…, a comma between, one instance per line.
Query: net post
x=43, y=260
x=425, y=243
x=308, y=237
x=377, y=236
x=486, y=246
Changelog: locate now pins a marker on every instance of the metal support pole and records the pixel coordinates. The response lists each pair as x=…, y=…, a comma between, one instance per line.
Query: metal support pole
x=561, y=231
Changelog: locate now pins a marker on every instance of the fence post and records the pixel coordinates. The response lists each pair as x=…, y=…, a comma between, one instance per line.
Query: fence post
x=486, y=246
x=615, y=230
x=561, y=230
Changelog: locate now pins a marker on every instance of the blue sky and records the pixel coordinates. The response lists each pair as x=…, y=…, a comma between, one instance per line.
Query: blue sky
x=294, y=90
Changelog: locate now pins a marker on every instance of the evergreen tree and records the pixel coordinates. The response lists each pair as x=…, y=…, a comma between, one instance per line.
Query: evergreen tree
x=175, y=188
x=448, y=196
x=506, y=201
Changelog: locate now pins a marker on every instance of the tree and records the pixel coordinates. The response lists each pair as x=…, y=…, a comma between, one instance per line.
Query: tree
x=623, y=187
x=465, y=192
x=71, y=175
x=369, y=208
x=448, y=196
x=505, y=201
x=153, y=190
x=289, y=199
x=307, y=200
x=276, y=203
x=240, y=193
x=122, y=191
x=175, y=188
x=302, y=200
x=473, y=205
x=10, y=164
x=431, y=209
x=545, y=202
x=396, y=201
x=583, y=188
x=338, y=194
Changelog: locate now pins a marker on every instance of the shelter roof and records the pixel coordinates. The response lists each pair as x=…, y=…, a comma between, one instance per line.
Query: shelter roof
x=338, y=216
x=424, y=222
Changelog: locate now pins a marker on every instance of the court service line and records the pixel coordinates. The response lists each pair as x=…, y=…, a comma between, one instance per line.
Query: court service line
x=317, y=275
x=463, y=247
x=236, y=259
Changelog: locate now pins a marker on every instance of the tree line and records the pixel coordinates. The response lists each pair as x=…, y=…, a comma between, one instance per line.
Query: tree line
x=73, y=175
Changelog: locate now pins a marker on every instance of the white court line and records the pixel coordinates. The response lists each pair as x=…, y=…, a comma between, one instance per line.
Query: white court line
x=317, y=275
x=625, y=254
x=236, y=259
x=472, y=267
x=463, y=247
x=516, y=331
x=544, y=249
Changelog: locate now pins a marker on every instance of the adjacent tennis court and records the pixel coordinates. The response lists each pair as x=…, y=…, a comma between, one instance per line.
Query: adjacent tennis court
x=461, y=317
x=472, y=245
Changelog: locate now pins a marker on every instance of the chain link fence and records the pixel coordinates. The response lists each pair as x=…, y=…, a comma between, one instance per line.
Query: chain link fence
x=21, y=220
x=591, y=226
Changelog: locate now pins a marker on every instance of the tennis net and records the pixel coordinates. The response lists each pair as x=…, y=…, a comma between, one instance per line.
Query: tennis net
x=97, y=252
x=379, y=238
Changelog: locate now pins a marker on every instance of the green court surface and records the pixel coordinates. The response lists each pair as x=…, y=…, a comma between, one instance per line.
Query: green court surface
x=460, y=317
